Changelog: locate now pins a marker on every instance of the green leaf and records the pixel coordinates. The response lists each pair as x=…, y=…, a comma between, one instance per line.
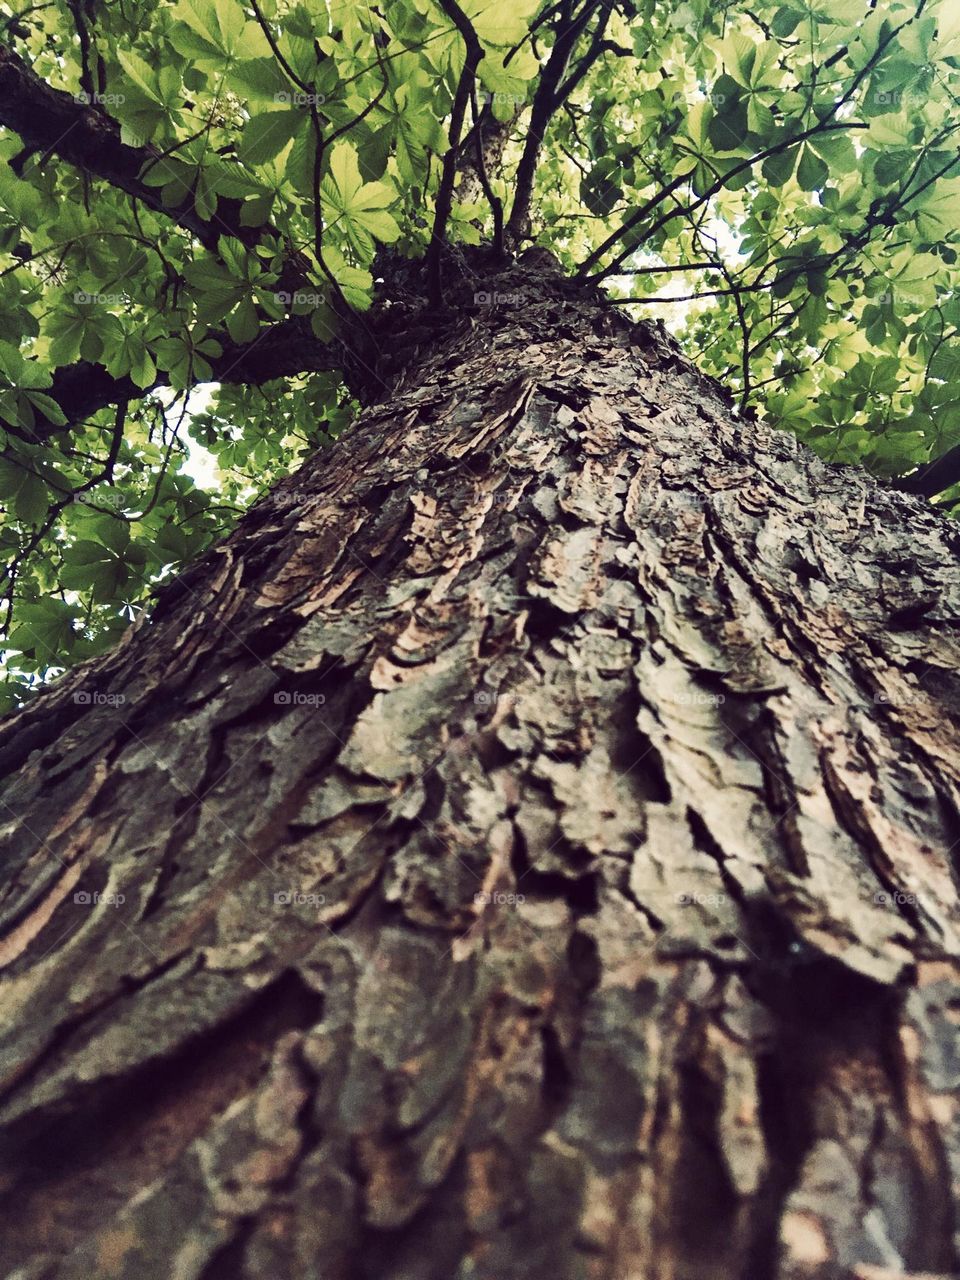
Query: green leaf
x=32, y=500
x=199, y=33
x=836, y=149
x=242, y=323
x=600, y=191
x=738, y=52
x=812, y=172
x=66, y=331
x=142, y=75
x=500, y=22
x=48, y=407
x=45, y=628
x=759, y=116
x=358, y=207
x=84, y=551
x=939, y=212
x=266, y=135
x=777, y=169
x=217, y=29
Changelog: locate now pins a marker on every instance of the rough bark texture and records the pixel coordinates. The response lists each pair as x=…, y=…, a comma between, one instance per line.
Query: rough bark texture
x=551, y=624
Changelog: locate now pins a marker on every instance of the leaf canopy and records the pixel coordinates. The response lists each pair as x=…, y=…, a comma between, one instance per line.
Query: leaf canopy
x=780, y=182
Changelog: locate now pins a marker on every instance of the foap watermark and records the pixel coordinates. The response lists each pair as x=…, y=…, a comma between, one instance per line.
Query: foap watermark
x=86, y=99
x=487, y=698
x=699, y=698
x=94, y=698
x=292, y=498
x=498, y=98
x=697, y=899
x=294, y=898
x=684, y=98
x=904, y=698
x=898, y=97
x=301, y=99
x=101, y=299
x=84, y=899
x=105, y=498
x=896, y=898
x=678, y=501
x=302, y=298
x=695, y=500
x=499, y=899
x=487, y=298
x=294, y=698
x=893, y=294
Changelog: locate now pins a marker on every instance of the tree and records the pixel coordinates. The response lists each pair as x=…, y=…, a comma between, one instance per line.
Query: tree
x=523, y=845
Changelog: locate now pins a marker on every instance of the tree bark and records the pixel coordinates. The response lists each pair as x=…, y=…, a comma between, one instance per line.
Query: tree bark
x=525, y=848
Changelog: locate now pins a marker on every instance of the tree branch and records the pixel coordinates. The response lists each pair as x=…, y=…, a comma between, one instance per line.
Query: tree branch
x=449, y=173
x=827, y=125
x=279, y=351
x=933, y=477
x=496, y=204
x=545, y=103
x=598, y=47
x=55, y=123
x=711, y=191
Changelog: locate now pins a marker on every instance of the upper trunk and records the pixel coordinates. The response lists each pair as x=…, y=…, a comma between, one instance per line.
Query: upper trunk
x=523, y=849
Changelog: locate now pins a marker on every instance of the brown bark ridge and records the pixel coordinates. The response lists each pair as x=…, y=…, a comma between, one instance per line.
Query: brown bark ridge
x=525, y=848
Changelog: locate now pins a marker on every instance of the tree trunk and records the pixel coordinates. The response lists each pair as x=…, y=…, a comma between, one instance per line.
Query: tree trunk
x=525, y=848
